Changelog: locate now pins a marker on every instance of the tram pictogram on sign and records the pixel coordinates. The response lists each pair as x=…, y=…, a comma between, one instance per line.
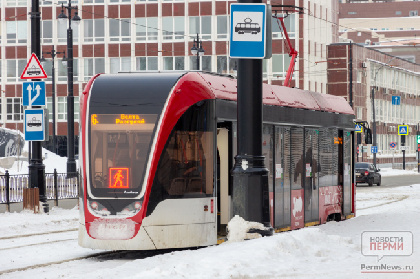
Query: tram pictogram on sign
x=33, y=69
x=118, y=178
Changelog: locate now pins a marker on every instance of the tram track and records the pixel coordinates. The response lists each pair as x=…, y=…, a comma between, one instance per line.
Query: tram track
x=35, y=234
x=107, y=255
x=59, y=262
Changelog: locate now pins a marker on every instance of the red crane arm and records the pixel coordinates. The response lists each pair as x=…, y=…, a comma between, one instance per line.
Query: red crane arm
x=292, y=53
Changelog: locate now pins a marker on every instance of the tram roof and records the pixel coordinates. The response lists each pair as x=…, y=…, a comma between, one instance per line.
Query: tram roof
x=221, y=87
x=225, y=88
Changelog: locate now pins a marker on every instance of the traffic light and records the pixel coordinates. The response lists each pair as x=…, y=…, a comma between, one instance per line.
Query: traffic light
x=359, y=138
x=368, y=136
x=402, y=140
x=418, y=141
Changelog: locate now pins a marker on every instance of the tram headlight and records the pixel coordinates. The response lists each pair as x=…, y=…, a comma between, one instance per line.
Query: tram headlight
x=131, y=209
x=98, y=208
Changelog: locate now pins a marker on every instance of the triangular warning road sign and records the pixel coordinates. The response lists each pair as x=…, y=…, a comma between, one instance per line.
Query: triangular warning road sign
x=33, y=69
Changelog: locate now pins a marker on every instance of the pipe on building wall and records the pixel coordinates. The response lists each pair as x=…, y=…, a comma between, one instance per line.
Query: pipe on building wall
x=351, y=74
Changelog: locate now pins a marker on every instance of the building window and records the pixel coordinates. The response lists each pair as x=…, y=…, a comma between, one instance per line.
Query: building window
x=14, y=109
x=65, y=2
x=62, y=27
x=205, y=63
x=173, y=28
x=289, y=23
x=16, y=32
x=147, y=28
x=152, y=29
x=15, y=68
x=62, y=109
x=222, y=64
x=397, y=12
x=94, y=30
x=226, y=65
x=120, y=64
x=49, y=107
x=94, y=66
x=47, y=66
x=352, y=13
x=141, y=29
x=46, y=31
x=414, y=13
x=174, y=63
x=94, y=1
x=280, y=64
x=120, y=29
x=147, y=63
x=62, y=70
x=200, y=25
x=222, y=27
x=16, y=3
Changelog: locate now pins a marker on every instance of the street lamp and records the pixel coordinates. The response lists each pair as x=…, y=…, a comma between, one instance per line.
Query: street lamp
x=197, y=50
x=71, y=163
x=53, y=53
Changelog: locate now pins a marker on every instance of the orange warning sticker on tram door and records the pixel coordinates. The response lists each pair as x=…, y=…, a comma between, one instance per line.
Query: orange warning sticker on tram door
x=118, y=178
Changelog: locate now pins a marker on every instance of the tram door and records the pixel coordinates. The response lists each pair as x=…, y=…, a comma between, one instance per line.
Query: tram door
x=311, y=171
x=347, y=165
x=223, y=196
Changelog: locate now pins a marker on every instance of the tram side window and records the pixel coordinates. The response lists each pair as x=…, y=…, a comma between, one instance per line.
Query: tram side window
x=297, y=157
x=328, y=156
x=186, y=165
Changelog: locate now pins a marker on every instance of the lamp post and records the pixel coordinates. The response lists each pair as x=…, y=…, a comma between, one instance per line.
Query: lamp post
x=71, y=163
x=197, y=50
x=53, y=53
x=373, y=110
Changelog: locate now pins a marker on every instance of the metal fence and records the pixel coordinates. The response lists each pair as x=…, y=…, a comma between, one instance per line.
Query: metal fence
x=58, y=186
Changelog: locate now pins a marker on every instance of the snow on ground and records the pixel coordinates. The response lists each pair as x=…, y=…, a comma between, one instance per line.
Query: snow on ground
x=51, y=161
x=393, y=172
x=332, y=250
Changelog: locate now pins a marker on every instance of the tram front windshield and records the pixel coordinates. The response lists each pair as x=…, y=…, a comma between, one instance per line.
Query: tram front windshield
x=119, y=148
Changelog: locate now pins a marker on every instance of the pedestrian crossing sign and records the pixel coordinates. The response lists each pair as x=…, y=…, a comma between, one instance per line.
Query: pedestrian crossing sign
x=403, y=130
x=118, y=178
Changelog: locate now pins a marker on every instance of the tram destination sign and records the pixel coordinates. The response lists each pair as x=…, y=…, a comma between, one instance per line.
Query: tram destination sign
x=121, y=119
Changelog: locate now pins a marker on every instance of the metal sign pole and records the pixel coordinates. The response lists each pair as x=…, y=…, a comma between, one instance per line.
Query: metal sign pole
x=250, y=176
x=36, y=167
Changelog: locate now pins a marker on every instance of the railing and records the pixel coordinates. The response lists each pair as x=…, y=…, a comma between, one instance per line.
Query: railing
x=58, y=186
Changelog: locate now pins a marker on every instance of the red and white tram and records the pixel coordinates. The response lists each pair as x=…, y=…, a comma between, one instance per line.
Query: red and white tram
x=157, y=150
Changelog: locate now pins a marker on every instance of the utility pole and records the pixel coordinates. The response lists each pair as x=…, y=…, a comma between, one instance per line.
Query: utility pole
x=36, y=167
x=53, y=53
x=374, y=123
x=71, y=162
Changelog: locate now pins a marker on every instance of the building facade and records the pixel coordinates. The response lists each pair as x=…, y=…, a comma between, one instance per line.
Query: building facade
x=354, y=71
x=379, y=21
